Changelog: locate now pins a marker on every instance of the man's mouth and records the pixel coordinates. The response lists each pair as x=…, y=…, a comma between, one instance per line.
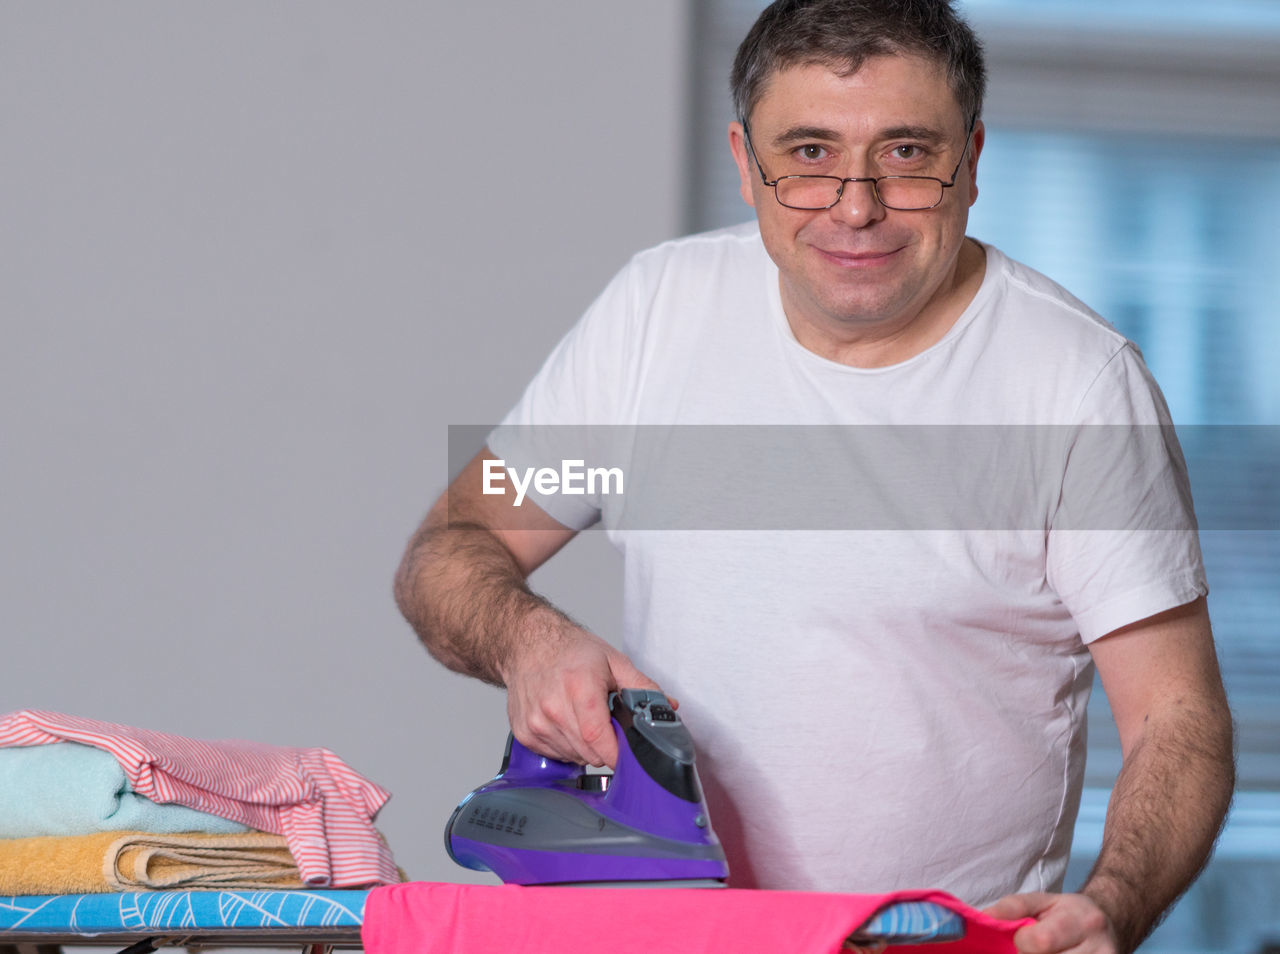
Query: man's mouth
x=859, y=258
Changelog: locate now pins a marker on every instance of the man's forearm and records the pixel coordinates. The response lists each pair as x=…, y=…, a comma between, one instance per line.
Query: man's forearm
x=1165, y=812
x=466, y=598
x=463, y=589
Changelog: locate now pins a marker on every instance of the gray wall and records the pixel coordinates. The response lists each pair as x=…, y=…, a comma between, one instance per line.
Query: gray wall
x=254, y=258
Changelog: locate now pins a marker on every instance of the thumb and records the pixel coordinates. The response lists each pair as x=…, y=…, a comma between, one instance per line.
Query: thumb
x=1013, y=907
x=626, y=676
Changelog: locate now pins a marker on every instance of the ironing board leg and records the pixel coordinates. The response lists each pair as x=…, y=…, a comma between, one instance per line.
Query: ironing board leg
x=30, y=949
x=146, y=946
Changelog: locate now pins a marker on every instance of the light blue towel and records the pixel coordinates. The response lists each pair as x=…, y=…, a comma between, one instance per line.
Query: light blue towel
x=66, y=788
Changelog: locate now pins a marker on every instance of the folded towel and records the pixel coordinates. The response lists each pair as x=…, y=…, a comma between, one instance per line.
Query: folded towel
x=71, y=789
x=132, y=861
x=323, y=808
x=70, y=864
x=245, y=862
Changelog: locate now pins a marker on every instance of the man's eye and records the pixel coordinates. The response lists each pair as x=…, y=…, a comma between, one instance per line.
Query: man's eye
x=812, y=153
x=908, y=152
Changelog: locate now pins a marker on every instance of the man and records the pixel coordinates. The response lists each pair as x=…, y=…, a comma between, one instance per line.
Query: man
x=875, y=707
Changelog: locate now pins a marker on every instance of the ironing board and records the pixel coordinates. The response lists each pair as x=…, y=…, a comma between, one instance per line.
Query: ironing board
x=145, y=921
x=316, y=921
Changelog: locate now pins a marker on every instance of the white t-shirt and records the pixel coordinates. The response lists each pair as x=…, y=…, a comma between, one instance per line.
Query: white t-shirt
x=879, y=702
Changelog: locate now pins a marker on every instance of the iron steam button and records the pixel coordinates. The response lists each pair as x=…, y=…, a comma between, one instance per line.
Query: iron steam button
x=661, y=713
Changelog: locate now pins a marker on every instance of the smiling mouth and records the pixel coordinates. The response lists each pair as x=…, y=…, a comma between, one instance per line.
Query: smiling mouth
x=859, y=259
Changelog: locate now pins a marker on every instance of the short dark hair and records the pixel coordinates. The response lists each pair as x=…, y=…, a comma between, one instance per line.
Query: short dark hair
x=843, y=33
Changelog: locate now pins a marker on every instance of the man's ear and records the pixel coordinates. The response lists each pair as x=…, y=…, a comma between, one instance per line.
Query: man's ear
x=971, y=161
x=746, y=166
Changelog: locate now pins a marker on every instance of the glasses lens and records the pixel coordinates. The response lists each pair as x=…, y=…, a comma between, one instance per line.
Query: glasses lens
x=907, y=192
x=808, y=192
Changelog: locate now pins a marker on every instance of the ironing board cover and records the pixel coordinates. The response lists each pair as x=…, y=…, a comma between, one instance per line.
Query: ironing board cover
x=186, y=911
x=264, y=914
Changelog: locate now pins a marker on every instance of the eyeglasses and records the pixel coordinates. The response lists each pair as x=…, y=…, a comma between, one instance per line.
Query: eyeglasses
x=901, y=193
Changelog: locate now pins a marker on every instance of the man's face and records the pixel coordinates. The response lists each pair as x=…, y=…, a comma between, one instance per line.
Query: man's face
x=857, y=267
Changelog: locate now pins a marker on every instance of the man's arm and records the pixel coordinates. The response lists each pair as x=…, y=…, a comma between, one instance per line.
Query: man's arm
x=462, y=586
x=1171, y=796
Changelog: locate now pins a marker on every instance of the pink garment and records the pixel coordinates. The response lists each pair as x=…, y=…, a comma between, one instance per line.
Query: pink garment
x=425, y=918
x=322, y=807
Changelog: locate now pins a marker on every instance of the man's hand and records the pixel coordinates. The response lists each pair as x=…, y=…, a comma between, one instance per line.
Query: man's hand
x=558, y=682
x=1064, y=922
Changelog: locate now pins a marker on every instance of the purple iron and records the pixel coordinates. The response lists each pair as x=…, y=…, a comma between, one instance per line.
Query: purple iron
x=542, y=821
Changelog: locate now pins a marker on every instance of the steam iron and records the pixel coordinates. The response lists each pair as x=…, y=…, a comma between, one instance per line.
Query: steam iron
x=542, y=821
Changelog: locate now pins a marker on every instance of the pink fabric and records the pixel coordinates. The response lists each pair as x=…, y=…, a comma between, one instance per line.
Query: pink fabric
x=322, y=807
x=425, y=918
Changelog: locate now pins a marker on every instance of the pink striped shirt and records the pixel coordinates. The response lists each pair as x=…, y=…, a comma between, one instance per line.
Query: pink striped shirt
x=322, y=807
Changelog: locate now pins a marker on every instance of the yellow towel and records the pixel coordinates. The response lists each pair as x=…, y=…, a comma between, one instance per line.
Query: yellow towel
x=131, y=861
x=69, y=864
x=226, y=862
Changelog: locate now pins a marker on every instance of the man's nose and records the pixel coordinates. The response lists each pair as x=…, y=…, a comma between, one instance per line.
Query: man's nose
x=859, y=205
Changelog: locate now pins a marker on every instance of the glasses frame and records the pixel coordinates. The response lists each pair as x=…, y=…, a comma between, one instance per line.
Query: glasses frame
x=874, y=180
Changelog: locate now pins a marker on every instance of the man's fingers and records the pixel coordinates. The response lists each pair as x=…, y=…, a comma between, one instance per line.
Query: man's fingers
x=1015, y=906
x=594, y=727
x=1038, y=938
x=544, y=725
x=627, y=676
x=571, y=724
x=562, y=744
x=1029, y=939
x=624, y=675
x=1073, y=922
x=598, y=736
x=1064, y=922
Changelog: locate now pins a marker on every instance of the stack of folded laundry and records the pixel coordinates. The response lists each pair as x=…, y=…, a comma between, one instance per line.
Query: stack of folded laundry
x=88, y=806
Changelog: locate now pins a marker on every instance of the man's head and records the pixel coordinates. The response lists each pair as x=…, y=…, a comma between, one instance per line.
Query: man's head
x=853, y=91
x=842, y=34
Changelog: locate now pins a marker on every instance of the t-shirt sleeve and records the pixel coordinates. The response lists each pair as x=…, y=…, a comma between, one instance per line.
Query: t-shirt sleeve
x=1123, y=543
x=567, y=418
